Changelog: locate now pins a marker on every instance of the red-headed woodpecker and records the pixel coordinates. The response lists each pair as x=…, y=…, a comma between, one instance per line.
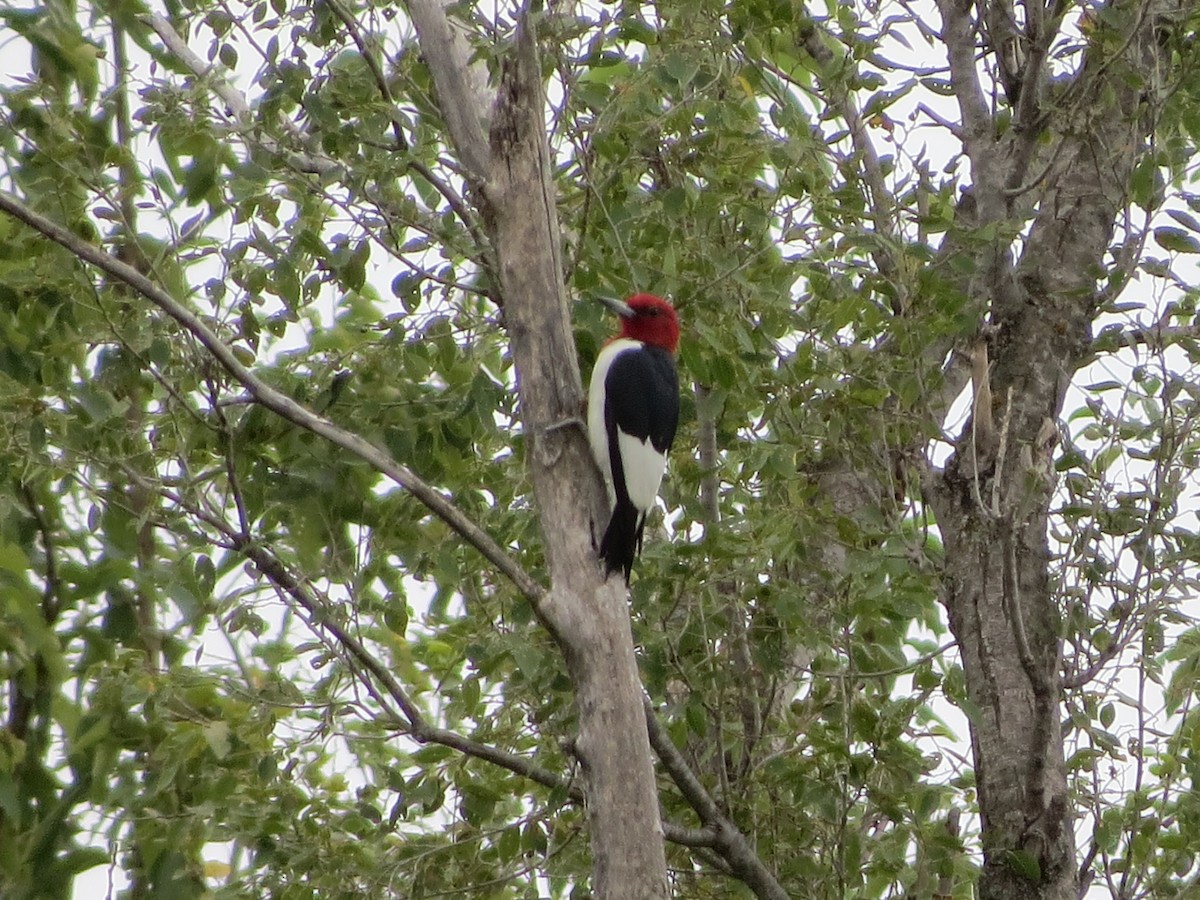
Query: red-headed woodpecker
x=633, y=410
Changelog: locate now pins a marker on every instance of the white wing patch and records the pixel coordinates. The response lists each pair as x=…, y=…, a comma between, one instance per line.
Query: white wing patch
x=644, y=467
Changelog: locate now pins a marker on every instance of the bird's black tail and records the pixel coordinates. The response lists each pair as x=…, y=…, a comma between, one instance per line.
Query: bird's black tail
x=622, y=539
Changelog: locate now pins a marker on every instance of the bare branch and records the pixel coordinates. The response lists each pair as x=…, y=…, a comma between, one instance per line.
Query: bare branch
x=1119, y=643
x=729, y=842
x=1157, y=336
x=953, y=127
x=459, y=84
x=1028, y=119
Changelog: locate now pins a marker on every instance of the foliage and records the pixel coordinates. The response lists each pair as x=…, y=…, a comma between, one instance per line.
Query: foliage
x=185, y=576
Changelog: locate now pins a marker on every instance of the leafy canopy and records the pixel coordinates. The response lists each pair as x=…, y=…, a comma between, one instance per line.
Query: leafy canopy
x=186, y=576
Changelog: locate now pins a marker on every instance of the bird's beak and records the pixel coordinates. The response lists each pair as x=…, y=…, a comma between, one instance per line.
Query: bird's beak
x=620, y=307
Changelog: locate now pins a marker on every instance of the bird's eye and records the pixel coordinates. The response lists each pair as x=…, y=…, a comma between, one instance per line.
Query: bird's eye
x=652, y=311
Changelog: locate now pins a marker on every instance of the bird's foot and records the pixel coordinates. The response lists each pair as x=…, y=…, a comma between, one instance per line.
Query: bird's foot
x=569, y=422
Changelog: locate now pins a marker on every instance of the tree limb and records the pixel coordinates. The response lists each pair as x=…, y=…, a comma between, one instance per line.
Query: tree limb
x=459, y=84
x=880, y=199
x=590, y=611
x=978, y=129
x=415, y=725
x=729, y=842
x=448, y=194
x=1157, y=337
x=235, y=103
x=280, y=403
x=368, y=55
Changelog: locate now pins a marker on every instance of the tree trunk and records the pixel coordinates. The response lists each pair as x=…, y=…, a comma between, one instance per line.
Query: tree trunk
x=587, y=614
x=993, y=498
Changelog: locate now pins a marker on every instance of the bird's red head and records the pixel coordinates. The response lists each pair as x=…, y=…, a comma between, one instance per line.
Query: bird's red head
x=649, y=319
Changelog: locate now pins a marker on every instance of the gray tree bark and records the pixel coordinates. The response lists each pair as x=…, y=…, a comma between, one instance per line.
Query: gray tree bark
x=1075, y=143
x=1058, y=172
x=587, y=615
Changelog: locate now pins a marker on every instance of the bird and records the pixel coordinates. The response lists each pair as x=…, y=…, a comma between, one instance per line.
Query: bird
x=633, y=413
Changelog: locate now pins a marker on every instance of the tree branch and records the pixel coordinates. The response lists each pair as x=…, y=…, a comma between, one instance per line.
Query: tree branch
x=958, y=32
x=729, y=842
x=459, y=84
x=880, y=198
x=237, y=107
x=448, y=194
x=51, y=603
x=368, y=54
x=1158, y=336
x=280, y=403
x=1028, y=119
x=415, y=725
x=592, y=611
x=22, y=701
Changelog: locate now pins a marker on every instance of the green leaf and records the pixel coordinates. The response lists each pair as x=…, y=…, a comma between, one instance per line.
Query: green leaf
x=1024, y=864
x=1176, y=240
x=681, y=67
x=1108, y=714
x=13, y=559
x=217, y=735
x=1184, y=218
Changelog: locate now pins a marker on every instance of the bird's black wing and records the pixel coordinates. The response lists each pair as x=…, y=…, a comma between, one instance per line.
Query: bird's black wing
x=643, y=391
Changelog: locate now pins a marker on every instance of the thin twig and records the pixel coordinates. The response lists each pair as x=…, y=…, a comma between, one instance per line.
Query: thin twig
x=953, y=127
x=368, y=56
x=238, y=109
x=882, y=210
x=231, y=471
x=51, y=584
x=1010, y=595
